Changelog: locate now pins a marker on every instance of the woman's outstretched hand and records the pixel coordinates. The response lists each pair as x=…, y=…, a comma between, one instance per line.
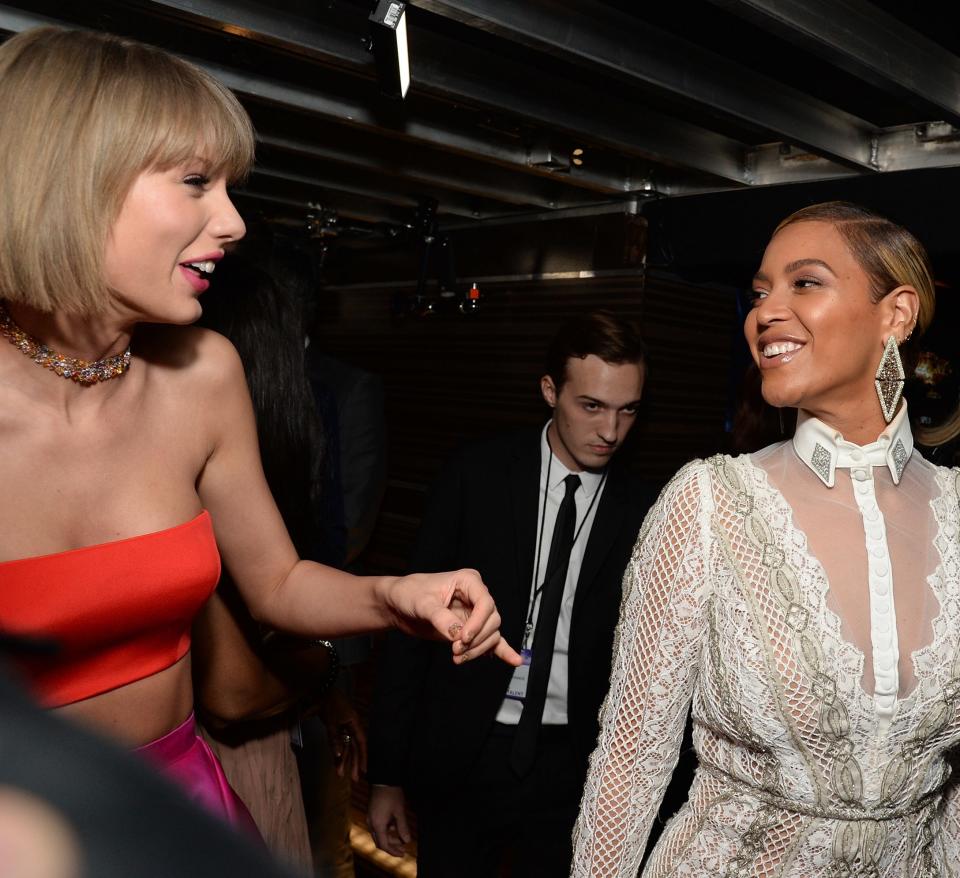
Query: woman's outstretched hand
x=452, y=606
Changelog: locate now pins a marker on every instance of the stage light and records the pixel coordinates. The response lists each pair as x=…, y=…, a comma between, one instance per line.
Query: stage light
x=388, y=31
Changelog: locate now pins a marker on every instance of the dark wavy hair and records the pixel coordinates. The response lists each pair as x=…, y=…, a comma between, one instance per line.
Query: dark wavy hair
x=265, y=321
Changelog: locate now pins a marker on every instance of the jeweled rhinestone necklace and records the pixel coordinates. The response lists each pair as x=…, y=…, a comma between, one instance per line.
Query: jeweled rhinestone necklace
x=82, y=371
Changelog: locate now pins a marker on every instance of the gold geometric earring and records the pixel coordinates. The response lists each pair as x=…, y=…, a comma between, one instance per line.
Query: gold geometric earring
x=890, y=379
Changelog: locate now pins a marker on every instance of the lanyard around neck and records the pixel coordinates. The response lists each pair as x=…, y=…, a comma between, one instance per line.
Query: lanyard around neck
x=538, y=589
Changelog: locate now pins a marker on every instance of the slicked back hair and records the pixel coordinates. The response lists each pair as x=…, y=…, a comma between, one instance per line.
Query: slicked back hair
x=890, y=255
x=602, y=333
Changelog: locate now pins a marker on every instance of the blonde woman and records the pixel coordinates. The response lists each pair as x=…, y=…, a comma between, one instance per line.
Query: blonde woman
x=805, y=599
x=128, y=453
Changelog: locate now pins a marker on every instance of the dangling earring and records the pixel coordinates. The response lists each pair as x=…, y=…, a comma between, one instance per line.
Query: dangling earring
x=890, y=379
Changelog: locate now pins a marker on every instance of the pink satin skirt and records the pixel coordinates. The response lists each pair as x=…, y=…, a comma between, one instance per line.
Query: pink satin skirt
x=184, y=757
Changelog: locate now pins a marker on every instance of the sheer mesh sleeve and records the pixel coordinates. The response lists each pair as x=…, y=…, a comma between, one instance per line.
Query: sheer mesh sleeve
x=656, y=656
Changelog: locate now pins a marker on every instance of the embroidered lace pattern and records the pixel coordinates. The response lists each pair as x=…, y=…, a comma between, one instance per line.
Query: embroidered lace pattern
x=727, y=611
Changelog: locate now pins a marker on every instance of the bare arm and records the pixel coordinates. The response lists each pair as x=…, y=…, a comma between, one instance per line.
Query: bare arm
x=302, y=596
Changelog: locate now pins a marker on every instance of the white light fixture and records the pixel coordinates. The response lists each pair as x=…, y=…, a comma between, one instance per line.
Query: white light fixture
x=388, y=29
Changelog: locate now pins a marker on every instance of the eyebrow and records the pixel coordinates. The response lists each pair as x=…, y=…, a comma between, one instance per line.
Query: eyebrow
x=584, y=398
x=793, y=266
x=799, y=263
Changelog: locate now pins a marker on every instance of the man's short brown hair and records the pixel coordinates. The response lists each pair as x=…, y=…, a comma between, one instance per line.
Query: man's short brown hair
x=602, y=333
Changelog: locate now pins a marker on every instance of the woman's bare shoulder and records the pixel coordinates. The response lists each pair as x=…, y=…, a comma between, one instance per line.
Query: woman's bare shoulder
x=202, y=357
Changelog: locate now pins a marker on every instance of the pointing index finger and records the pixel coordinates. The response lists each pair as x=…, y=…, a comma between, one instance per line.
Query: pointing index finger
x=505, y=652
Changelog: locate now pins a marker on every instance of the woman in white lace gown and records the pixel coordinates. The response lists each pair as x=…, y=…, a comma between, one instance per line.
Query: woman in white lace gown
x=805, y=599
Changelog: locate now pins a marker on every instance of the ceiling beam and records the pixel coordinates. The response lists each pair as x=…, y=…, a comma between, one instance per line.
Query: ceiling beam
x=904, y=148
x=451, y=129
x=354, y=207
x=605, y=39
x=422, y=168
x=399, y=195
x=437, y=65
x=491, y=146
x=573, y=107
x=862, y=39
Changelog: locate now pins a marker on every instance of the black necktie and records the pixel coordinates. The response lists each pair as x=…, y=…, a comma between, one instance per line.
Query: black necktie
x=524, y=748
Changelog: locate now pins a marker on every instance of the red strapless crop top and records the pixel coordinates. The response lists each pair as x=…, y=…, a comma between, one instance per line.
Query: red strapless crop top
x=118, y=611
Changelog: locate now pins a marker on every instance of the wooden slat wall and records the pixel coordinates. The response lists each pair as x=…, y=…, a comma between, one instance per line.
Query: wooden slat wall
x=449, y=378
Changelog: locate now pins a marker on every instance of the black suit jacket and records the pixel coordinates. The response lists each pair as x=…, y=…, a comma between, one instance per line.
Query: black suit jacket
x=431, y=717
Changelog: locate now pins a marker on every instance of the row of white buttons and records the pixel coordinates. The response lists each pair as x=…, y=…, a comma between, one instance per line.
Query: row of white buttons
x=882, y=611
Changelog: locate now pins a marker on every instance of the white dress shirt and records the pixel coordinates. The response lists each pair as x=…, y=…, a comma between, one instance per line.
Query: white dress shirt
x=587, y=499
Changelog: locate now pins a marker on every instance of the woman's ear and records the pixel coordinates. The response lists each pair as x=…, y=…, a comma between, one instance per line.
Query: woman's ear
x=549, y=390
x=902, y=308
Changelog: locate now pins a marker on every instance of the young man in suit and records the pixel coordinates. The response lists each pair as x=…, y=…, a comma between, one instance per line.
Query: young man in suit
x=549, y=518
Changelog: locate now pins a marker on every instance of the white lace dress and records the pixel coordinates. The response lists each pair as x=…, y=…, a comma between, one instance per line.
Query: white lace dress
x=807, y=600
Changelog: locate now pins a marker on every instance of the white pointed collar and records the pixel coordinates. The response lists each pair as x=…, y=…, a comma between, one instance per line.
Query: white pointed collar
x=589, y=481
x=823, y=448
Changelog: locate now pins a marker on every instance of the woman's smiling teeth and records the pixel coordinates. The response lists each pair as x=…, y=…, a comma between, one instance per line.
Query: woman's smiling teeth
x=780, y=347
x=202, y=267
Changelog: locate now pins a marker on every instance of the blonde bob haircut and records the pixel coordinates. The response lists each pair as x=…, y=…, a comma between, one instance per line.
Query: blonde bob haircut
x=82, y=114
x=889, y=255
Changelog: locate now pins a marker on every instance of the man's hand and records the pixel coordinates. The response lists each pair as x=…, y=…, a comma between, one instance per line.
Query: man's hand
x=387, y=819
x=457, y=606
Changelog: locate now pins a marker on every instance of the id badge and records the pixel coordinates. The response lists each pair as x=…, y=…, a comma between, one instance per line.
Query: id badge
x=517, y=690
